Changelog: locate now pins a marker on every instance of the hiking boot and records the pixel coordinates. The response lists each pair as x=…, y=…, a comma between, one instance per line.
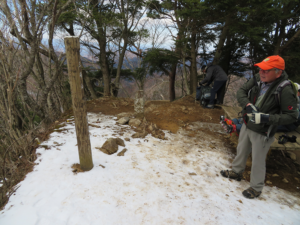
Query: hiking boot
x=219, y=103
x=231, y=174
x=209, y=106
x=251, y=193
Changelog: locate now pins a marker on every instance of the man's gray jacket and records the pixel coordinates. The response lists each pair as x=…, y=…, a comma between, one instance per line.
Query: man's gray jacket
x=214, y=73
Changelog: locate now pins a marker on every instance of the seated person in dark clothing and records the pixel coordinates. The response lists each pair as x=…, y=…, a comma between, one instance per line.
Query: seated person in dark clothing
x=214, y=73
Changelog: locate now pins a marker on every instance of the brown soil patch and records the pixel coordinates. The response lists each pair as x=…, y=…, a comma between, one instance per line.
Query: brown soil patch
x=110, y=106
x=180, y=113
x=165, y=114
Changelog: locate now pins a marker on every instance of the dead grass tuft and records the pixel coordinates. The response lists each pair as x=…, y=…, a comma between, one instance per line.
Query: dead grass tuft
x=76, y=168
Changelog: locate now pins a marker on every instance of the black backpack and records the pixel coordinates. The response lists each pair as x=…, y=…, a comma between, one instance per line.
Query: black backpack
x=204, y=95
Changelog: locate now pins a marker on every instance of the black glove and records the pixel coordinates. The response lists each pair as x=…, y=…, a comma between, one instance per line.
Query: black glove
x=251, y=108
x=257, y=117
x=282, y=139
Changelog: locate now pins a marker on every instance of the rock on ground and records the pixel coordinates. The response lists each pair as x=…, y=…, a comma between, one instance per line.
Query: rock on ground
x=111, y=145
x=124, y=114
x=123, y=120
x=122, y=152
x=134, y=122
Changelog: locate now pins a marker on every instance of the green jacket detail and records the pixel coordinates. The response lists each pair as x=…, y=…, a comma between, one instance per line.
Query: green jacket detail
x=285, y=113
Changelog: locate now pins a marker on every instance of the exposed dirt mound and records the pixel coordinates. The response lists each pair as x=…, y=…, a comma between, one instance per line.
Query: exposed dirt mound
x=172, y=115
x=165, y=114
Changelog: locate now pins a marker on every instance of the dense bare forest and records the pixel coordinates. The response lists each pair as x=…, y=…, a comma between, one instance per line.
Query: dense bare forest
x=155, y=46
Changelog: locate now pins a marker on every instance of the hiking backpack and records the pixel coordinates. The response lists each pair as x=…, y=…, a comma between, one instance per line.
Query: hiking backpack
x=205, y=95
x=282, y=85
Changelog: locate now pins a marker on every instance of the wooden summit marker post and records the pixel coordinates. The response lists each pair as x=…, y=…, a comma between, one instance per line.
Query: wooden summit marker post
x=79, y=106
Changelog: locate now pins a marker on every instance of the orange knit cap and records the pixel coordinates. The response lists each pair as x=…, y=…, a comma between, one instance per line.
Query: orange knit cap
x=274, y=61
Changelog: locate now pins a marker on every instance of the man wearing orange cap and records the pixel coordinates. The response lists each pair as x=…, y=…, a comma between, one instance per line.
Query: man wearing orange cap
x=262, y=114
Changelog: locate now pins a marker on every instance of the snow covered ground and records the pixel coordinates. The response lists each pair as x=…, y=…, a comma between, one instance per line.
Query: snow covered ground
x=174, y=181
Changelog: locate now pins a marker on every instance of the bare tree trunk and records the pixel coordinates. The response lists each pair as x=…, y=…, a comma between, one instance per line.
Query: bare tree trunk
x=227, y=55
x=290, y=41
x=193, y=64
x=185, y=74
x=280, y=37
x=100, y=36
x=104, y=65
x=121, y=59
x=222, y=40
x=88, y=84
x=172, y=75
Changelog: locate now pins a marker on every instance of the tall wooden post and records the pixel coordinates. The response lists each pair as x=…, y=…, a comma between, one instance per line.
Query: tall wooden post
x=79, y=105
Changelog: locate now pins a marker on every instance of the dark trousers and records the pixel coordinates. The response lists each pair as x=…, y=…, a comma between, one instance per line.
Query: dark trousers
x=198, y=93
x=219, y=88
